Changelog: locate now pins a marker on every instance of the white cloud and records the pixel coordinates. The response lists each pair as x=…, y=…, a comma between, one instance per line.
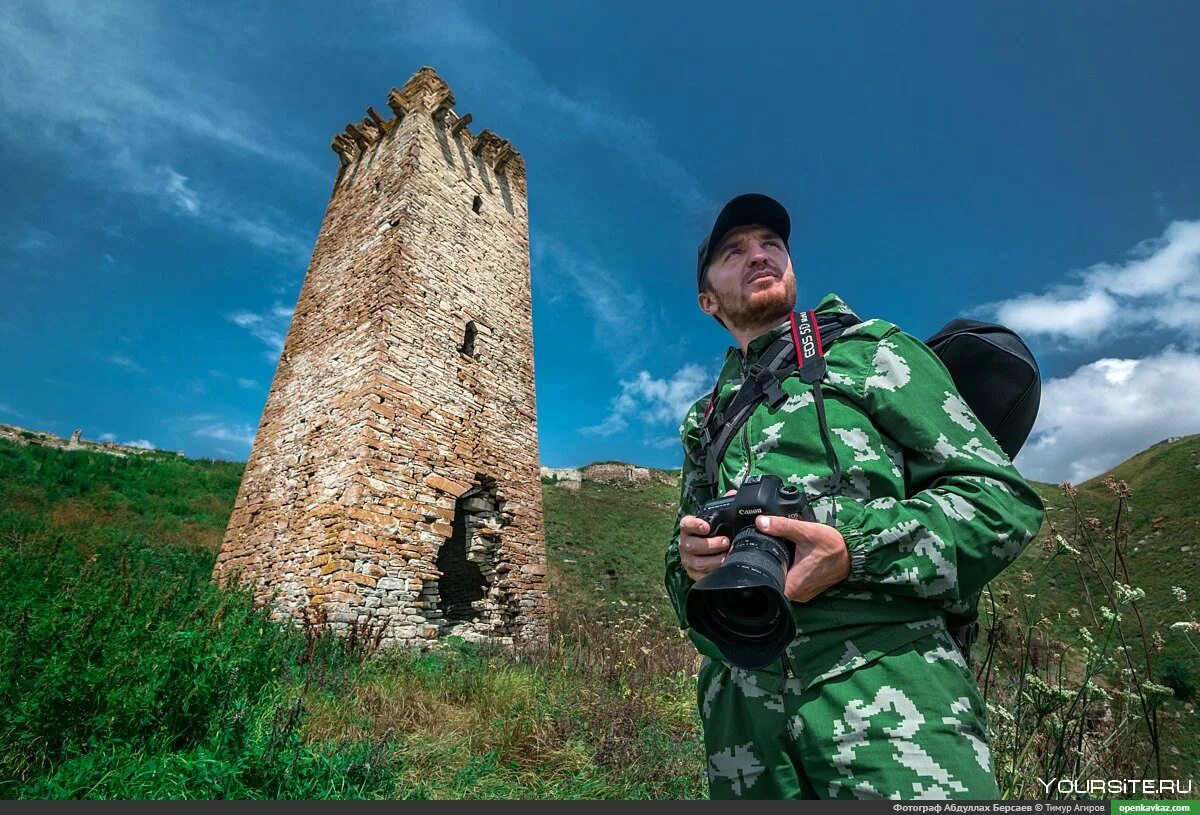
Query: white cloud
x=108, y=437
x=247, y=383
x=654, y=402
x=622, y=323
x=126, y=363
x=1158, y=286
x=268, y=327
x=113, y=82
x=9, y=411
x=1108, y=410
x=143, y=444
x=221, y=431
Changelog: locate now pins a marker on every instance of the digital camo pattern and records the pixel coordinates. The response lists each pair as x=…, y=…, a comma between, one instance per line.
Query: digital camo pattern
x=930, y=507
x=905, y=725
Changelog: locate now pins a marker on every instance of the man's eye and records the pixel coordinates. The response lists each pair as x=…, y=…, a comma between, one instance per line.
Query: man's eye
x=773, y=242
x=732, y=250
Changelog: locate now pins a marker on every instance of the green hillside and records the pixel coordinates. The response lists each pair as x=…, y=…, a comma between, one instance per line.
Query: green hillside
x=135, y=677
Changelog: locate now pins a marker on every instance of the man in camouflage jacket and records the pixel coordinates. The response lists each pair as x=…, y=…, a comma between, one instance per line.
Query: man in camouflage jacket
x=873, y=698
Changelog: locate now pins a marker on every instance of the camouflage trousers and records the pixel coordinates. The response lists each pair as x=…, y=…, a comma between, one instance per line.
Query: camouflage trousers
x=908, y=724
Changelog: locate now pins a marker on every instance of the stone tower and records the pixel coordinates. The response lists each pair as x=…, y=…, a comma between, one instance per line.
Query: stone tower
x=394, y=478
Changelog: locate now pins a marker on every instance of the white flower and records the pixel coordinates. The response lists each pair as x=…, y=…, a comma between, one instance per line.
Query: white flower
x=1179, y=593
x=1128, y=594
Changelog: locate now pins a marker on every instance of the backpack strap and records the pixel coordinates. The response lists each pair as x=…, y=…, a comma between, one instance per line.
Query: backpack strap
x=763, y=381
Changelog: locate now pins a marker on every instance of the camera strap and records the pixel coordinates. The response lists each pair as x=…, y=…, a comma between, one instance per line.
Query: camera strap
x=763, y=382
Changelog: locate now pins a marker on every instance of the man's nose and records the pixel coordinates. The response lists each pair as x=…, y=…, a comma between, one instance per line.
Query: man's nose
x=757, y=253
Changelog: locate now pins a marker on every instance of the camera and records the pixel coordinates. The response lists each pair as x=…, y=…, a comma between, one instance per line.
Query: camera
x=741, y=606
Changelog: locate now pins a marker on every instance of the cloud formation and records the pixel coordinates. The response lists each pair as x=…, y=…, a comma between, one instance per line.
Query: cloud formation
x=111, y=82
x=653, y=402
x=125, y=362
x=1108, y=410
x=268, y=327
x=1157, y=286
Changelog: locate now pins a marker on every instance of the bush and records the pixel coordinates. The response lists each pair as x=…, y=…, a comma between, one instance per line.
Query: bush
x=1177, y=676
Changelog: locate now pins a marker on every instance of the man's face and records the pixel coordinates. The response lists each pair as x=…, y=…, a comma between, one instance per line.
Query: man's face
x=749, y=281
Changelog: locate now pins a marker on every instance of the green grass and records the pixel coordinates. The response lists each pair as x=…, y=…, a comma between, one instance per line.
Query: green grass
x=128, y=674
x=1163, y=521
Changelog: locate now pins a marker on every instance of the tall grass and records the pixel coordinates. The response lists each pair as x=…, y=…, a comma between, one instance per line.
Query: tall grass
x=127, y=673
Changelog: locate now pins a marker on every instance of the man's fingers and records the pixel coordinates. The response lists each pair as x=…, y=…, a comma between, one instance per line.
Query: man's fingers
x=790, y=528
x=699, y=565
x=691, y=525
x=694, y=545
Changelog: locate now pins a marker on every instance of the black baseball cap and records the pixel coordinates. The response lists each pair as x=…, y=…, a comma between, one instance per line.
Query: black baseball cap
x=746, y=209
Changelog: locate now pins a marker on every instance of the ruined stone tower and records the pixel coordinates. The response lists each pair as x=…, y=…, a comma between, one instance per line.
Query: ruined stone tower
x=394, y=478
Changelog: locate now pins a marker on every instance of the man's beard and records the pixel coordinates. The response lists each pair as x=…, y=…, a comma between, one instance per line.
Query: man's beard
x=739, y=312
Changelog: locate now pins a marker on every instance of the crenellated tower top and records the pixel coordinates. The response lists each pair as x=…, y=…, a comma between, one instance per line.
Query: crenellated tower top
x=426, y=94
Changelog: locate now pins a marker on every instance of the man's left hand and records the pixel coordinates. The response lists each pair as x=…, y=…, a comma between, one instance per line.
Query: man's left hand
x=822, y=559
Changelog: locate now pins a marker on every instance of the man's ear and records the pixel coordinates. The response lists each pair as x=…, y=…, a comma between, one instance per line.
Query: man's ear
x=708, y=304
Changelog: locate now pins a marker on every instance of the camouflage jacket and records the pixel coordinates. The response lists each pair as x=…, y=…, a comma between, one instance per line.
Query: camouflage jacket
x=930, y=506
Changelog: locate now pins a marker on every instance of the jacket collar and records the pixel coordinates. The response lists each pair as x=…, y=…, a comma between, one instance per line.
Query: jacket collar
x=830, y=304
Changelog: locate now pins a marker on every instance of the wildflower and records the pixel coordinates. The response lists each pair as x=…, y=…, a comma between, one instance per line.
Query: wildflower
x=1086, y=636
x=1026, y=577
x=1159, y=642
x=1191, y=625
x=1108, y=614
x=1062, y=543
x=1128, y=594
x=1073, y=613
x=1179, y=593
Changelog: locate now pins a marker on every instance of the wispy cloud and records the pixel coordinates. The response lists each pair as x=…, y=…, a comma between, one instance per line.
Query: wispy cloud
x=248, y=384
x=112, y=82
x=222, y=431
x=7, y=411
x=622, y=323
x=1158, y=286
x=1119, y=401
x=268, y=327
x=125, y=362
x=143, y=444
x=654, y=403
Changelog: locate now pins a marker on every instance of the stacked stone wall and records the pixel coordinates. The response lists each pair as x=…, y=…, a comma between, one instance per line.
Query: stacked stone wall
x=405, y=391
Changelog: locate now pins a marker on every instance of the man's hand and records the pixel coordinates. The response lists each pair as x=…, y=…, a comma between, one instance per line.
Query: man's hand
x=698, y=554
x=822, y=559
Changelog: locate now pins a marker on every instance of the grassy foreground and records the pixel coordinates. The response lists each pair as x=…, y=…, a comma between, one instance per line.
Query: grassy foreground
x=128, y=674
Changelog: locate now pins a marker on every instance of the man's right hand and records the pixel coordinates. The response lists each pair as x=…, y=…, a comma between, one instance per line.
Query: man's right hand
x=699, y=554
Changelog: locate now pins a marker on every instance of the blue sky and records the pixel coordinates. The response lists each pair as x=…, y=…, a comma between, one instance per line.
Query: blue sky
x=166, y=169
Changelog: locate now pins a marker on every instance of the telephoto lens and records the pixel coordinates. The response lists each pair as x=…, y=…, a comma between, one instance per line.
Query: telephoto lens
x=741, y=606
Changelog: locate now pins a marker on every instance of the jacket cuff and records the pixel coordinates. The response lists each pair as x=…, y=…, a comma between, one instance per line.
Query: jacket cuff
x=850, y=516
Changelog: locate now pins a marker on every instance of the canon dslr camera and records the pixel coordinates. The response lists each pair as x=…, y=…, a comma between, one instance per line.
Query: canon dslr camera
x=741, y=606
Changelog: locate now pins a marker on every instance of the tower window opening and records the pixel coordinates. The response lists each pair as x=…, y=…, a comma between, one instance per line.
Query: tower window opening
x=468, y=346
x=477, y=204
